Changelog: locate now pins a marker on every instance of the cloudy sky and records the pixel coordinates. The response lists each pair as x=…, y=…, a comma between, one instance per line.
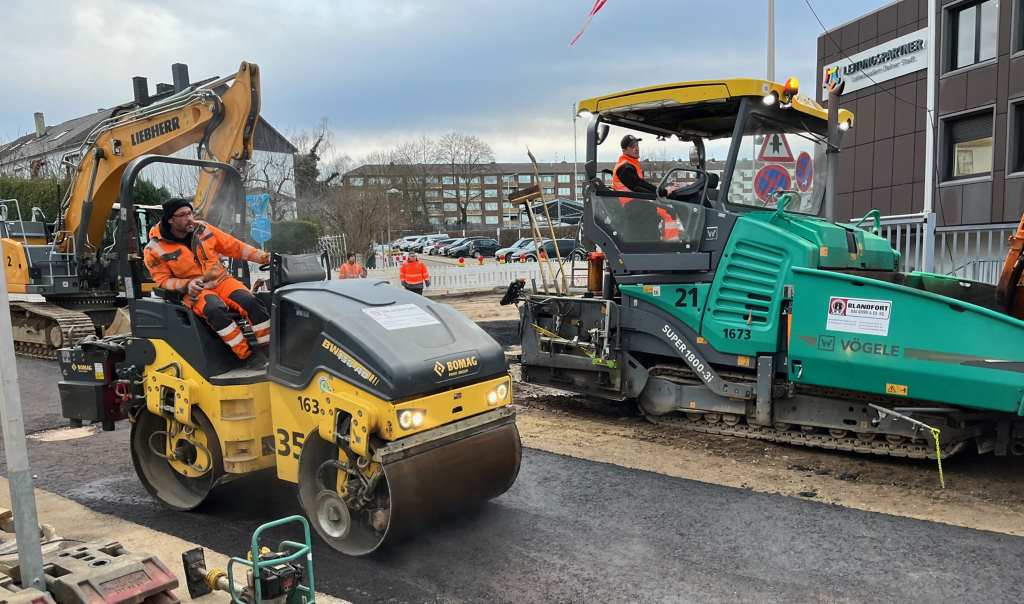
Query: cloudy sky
x=390, y=70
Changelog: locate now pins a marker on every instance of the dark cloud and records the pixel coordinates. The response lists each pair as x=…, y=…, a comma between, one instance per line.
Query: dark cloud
x=383, y=71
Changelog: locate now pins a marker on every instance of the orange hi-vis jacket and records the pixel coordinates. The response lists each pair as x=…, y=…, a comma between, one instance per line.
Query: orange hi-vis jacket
x=173, y=264
x=670, y=231
x=414, y=273
x=351, y=271
x=617, y=184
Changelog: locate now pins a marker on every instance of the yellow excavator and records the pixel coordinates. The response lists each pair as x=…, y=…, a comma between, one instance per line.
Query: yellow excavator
x=74, y=264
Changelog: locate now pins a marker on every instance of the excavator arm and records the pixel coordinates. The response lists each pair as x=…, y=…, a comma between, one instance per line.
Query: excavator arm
x=1010, y=290
x=222, y=122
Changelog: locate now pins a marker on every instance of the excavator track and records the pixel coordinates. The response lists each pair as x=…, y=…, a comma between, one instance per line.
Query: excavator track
x=41, y=328
x=891, y=445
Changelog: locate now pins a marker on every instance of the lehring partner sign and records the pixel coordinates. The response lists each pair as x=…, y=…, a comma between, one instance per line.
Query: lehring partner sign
x=895, y=58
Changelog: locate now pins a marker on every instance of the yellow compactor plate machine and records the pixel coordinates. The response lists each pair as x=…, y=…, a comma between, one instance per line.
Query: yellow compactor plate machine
x=386, y=409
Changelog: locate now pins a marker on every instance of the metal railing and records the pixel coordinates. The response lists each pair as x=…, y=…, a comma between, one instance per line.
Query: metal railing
x=972, y=252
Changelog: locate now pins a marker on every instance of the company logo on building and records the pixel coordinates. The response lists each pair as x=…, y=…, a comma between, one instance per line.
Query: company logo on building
x=881, y=63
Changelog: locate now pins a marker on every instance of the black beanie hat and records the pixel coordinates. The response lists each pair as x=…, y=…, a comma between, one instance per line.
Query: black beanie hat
x=174, y=204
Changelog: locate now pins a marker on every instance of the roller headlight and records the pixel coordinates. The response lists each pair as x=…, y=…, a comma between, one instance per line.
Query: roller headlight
x=492, y=397
x=502, y=391
x=411, y=418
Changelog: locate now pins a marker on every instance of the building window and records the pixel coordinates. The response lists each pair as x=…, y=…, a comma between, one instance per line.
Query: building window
x=1015, y=161
x=448, y=180
x=450, y=194
x=473, y=207
x=431, y=180
x=472, y=219
x=549, y=190
x=563, y=191
x=967, y=146
x=451, y=207
x=490, y=180
x=470, y=180
x=435, y=221
x=525, y=179
x=972, y=33
x=355, y=181
x=490, y=192
x=547, y=178
x=491, y=219
x=491, y=206
x=433, y=193
x=563, y=178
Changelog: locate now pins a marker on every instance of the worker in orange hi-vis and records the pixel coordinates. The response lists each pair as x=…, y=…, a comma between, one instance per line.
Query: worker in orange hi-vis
x=414, y=274
x=350, y=269
x=184, y=255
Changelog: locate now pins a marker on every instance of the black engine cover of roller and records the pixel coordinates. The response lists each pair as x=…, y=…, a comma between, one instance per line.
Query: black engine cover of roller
x=382, y=339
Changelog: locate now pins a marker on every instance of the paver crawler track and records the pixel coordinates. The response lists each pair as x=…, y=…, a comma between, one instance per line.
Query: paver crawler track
x=736, y=425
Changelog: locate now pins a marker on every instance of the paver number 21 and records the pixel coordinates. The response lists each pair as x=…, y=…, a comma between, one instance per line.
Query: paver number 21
x=685, y=293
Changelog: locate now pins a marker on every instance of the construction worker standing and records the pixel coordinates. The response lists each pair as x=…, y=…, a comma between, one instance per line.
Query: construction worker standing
x=184, y=255
x=351, y=269
x=414, y=274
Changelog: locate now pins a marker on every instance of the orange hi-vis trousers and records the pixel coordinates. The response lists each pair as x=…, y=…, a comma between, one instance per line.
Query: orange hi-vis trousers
x=212, y=305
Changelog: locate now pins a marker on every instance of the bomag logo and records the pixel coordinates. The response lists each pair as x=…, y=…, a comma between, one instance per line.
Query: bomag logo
x=456, y=367
x=155, y=130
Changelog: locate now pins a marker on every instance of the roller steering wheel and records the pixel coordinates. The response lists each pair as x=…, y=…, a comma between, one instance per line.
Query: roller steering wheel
x=697, y=187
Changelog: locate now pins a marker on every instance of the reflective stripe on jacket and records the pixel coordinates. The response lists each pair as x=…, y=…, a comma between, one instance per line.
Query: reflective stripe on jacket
x=414, y=273
x=173, y=264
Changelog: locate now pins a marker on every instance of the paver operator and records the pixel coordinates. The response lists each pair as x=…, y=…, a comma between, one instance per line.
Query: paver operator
x=184, y=255
x=628, y=175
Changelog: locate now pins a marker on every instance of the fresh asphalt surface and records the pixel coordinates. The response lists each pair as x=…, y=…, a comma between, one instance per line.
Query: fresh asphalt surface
x=570, y=530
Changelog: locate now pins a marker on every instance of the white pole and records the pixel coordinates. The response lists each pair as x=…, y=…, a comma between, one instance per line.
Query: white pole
x=929, y=144
x=19, y=476
x=575, y=170
x=771, y=40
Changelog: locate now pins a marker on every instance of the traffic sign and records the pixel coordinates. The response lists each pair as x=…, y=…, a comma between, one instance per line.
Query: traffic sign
x=769, y=179
x=260, y=230
x=775, y=148
x=803, y=176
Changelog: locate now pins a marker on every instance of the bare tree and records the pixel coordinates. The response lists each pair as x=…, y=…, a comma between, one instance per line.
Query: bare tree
x=465, y=157
x=417, y=159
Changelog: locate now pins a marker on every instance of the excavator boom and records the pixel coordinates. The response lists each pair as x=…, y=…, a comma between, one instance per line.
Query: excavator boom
x=221, y=124
x=72, y=270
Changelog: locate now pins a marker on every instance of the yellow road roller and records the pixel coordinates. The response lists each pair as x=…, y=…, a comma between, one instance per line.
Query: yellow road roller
x=387, y=409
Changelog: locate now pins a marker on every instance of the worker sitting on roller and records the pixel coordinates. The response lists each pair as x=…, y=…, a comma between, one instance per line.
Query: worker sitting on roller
x=350, y=269
x=642, y=218
x=184, y=255
x=414, y=274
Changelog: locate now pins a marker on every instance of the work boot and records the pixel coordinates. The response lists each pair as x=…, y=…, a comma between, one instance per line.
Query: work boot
x=257, y=359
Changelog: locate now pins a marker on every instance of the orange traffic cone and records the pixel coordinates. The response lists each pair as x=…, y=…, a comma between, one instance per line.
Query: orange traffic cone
x=462, y=261
x=480, y=260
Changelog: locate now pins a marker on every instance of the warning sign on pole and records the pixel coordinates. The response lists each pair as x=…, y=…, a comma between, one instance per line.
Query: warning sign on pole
x=775, y=148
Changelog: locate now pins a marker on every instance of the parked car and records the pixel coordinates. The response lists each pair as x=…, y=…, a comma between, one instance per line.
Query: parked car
x=502, y=253
x=568, y=249
x=474, y=247
x=446, y=251
x=404, y=242
x=420, y=245
x=435, y=248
